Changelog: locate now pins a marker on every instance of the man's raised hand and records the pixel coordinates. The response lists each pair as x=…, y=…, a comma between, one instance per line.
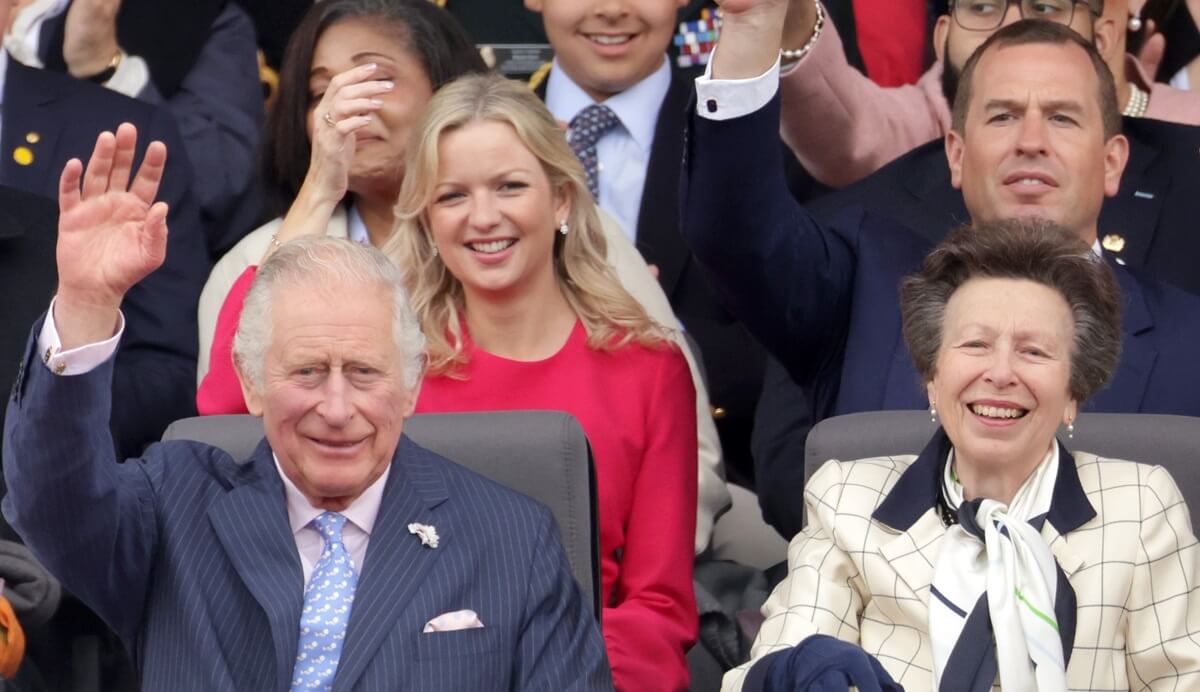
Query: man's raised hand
x=111, y=233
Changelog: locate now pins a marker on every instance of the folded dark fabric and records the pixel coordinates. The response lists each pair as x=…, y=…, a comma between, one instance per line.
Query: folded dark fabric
x=822, y=663
x=34, y=594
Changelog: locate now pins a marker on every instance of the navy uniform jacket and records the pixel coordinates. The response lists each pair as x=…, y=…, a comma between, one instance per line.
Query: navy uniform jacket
x=824, y=297
x=189, y=556
x=54, y=118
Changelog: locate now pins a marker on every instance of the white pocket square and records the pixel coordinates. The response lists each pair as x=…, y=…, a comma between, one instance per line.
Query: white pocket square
x=455, y=620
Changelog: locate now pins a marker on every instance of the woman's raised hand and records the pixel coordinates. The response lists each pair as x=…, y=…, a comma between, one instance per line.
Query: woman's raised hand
x=345, y=108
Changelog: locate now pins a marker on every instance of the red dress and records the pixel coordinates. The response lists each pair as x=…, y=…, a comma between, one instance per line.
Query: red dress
x=637, y=406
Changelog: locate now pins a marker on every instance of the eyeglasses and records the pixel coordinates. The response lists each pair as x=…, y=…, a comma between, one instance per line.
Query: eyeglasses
x=988, y=15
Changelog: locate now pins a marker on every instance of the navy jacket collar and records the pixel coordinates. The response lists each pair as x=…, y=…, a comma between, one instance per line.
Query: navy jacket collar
x=917, y=490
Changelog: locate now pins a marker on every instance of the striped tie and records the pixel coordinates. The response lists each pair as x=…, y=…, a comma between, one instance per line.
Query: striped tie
x=327, y=602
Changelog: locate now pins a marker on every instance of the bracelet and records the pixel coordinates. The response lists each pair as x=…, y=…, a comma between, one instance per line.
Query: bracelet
x=789, y=55
x=107, y=73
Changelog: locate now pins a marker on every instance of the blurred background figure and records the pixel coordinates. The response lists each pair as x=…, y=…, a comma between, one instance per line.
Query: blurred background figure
x=196, y=59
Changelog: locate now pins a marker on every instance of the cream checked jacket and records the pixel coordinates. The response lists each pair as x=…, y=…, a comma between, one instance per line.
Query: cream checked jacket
x=862, y=568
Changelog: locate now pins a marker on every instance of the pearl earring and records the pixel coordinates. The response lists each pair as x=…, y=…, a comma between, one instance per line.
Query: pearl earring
x=563, y=228
x=1071, y=430
x=932, y=413
x=433, y=248
x=1135, y=21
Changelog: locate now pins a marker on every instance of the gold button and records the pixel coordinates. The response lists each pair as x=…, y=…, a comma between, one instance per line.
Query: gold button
x=33, y=137
x=1113, y=242
x=718, y=413
x=60, y=368
x=46, y=356
x=23, y=156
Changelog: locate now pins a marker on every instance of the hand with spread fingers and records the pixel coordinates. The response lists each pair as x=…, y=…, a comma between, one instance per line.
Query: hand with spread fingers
x=111, y=233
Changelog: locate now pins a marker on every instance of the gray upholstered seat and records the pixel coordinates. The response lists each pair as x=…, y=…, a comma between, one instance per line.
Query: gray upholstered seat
x=1169, y=441
x=543, y=454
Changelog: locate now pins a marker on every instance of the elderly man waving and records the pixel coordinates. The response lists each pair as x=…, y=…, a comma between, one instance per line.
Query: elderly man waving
x=296, y=569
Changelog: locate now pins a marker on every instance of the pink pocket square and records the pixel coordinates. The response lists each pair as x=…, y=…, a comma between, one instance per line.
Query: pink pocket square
x=455, y=620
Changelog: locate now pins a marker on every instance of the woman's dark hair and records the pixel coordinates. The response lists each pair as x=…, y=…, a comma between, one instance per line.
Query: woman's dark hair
x=429, y=33
x=1034, y=250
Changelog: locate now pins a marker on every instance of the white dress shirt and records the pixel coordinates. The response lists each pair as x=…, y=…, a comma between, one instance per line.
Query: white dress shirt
x=360, y=521
x=624, y=152
x=725, y=99
x=360, y=515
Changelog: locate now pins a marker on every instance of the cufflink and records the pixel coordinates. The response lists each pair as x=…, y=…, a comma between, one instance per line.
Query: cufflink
x=711, y=105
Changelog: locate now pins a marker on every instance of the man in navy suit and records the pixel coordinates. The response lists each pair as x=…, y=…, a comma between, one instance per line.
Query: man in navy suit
x=1149, y=226
x=1031, y=138
x=340, y=555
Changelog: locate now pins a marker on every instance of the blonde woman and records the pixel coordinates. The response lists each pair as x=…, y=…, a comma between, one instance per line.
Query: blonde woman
x=508, y=276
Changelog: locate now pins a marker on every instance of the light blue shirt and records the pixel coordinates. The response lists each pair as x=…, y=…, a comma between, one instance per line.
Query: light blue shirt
x=624, y=152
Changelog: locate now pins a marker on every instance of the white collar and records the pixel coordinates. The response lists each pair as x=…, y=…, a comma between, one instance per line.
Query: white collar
x=23, y=40
x=3, y=75
x=637, y=106
x=361, y=512
x=356, y=228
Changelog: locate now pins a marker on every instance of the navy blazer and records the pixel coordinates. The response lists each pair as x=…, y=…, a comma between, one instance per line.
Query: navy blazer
x=56, y=118
x=823, y=297
x=189, y=556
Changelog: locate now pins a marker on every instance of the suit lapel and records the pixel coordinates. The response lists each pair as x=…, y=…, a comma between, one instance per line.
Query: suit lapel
x=910, y=507
x=30, y=133
x=1069, y=509
x=252, y=525
x=396, y=564
x=1138, y=354
x=912, y=554
x=1145, y=185
x=658, y=235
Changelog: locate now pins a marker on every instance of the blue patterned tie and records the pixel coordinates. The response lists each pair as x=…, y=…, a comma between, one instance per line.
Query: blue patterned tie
x=327, y=602
x=587, y=128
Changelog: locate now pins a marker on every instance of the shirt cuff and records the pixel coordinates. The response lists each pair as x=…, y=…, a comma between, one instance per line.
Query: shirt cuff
x=725, y=99
x=79, y=360
x=131, y=77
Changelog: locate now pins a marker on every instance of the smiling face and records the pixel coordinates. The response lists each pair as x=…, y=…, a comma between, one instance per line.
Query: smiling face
x=1001, y=384
x=379, y=147
x=333, y=400
x=1033, y=141
x=493, y=215
x=608, y=46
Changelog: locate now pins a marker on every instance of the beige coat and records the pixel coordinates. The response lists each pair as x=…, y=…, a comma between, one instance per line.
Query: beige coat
x=1134, y=566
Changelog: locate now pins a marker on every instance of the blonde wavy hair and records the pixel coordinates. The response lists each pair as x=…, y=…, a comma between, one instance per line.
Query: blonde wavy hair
x=610, y=315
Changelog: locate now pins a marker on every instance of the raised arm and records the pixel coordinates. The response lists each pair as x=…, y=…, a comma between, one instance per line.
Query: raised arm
x=840, y=125
x=785, y=276
x=88, y=519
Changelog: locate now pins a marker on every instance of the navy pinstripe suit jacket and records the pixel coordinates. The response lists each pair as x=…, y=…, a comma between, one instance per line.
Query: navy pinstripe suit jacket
x=190, y=558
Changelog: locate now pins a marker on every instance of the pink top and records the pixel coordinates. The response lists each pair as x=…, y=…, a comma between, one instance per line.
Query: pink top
x=637, y=406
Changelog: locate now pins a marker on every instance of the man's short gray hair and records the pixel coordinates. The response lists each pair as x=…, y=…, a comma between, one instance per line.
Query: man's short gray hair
x=325, y=261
